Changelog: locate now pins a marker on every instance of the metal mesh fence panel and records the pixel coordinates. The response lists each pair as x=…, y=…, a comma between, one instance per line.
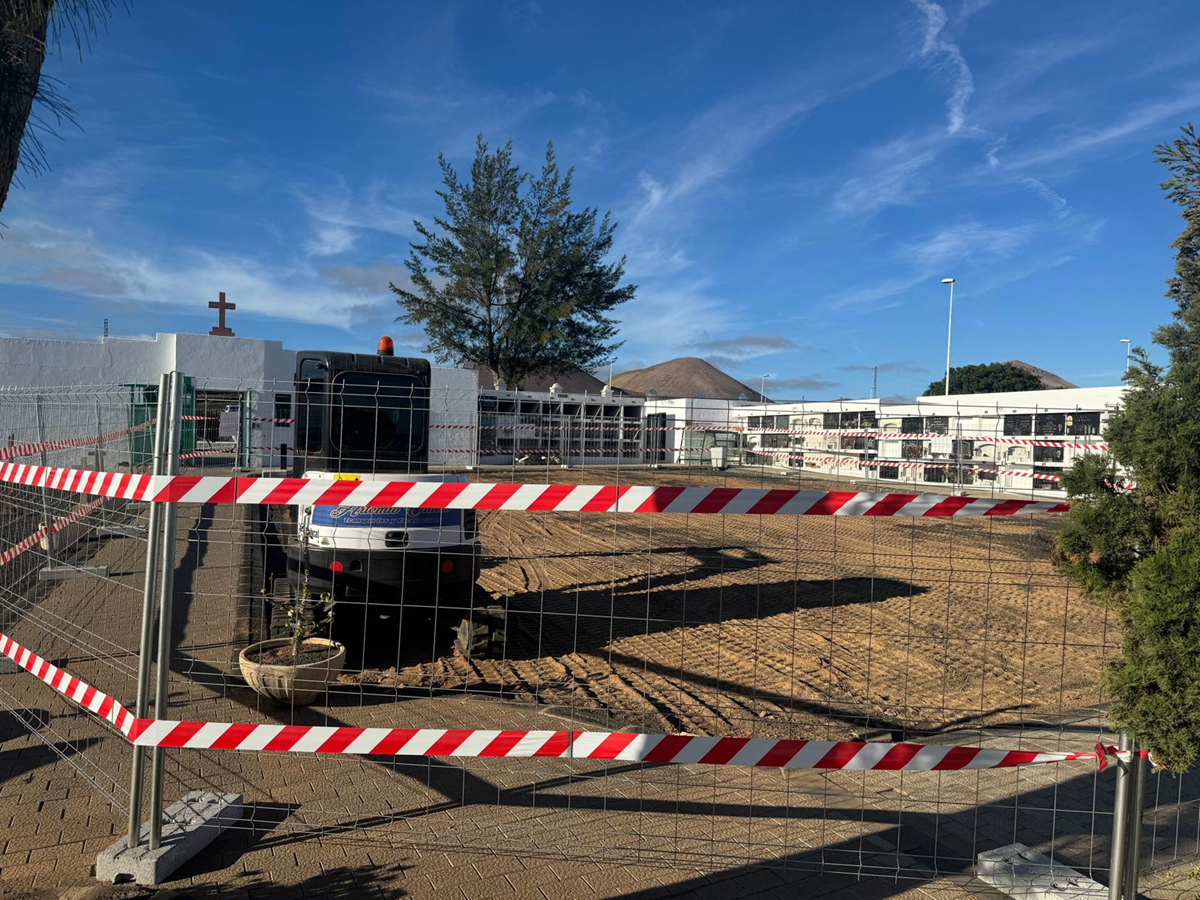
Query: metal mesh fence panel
x=564, y=566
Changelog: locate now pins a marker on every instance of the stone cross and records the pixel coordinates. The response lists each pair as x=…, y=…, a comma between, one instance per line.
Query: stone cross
x=220, y=306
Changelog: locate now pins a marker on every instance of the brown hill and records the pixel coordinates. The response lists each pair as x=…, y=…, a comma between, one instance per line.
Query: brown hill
x=1048, y=379
x=687, y=376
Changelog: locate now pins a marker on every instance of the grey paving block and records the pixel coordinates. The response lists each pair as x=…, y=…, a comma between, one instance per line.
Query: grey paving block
x=1029, y=874
x=189, y=825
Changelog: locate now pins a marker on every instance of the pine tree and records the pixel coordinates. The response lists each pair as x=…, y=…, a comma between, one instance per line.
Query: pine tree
x=511, y=277
x=1140, y=549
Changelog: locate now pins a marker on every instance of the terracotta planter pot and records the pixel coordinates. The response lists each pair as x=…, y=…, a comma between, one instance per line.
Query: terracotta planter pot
x=292, y=685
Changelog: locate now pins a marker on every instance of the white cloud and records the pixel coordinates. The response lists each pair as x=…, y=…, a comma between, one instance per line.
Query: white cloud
x=934, y=43
x=1088, y=139
x=715, y=144
x=336, y=216
x=747, y=346
x=890, y=174
x=37, y=254
x=967, y=242
x=799, y=383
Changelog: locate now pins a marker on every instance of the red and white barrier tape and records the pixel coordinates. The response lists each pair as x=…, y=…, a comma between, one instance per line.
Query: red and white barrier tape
x=981, y=438
x=67, y=443
x=535, y=497
x=596, y=745
x=898, y=463
x=519, y=744
x=252, y=419
x=632, y=426
x=94, y=701
x=54, y=528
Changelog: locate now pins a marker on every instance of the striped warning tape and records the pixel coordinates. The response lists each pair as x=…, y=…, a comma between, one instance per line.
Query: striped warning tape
x=896, y=435
x=252, y=419
x=629, y=425
x=597, y=745
x=94, y=701
x=536, y=497
x=67, y=443
x=897, y=463
x=54, y=528
x=777, y=753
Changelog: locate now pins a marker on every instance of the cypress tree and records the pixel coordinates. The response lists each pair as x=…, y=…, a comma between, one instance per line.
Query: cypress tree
x=1140, y=549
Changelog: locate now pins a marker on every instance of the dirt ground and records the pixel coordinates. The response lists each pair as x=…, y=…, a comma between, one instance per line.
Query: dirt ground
x=807, y=626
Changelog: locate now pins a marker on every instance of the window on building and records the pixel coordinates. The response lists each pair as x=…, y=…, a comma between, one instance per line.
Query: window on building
x=1018, y=424
x=868, y=419
x=1087, y=423
x=935, y=474
x=850, y=420
x=283, y=406
x=964, y=475
x=1051, y=423
x=783, y=422
x=960, y=449
x=832, y=420
x=912, y=449
x=1045, y=484
x=892, y=472
x=1047, y=454
x=984, y=475
x=912, y=425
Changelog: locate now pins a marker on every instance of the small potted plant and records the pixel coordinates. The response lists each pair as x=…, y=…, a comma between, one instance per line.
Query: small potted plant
x=296, y=670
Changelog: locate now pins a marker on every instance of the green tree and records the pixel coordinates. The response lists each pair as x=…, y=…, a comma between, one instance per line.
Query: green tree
x=986, y=378
x=1140, y=549
x=512, y=278
x=27, y=27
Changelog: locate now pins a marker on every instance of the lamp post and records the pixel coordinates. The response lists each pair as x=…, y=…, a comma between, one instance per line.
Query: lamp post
x=762, y=390
x=949, y=331
x=1125, y=341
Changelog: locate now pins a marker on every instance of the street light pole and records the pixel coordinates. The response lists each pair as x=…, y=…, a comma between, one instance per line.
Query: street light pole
x=1125, y=341
x=949, y=331
x=762, y=390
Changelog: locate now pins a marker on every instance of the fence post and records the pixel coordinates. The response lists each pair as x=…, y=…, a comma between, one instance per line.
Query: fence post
x=166, y=597
x=143, y=687
x=47, y=519
x=1137, y=802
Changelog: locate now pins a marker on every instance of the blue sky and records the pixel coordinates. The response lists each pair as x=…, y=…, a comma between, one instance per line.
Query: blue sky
x=792, y=180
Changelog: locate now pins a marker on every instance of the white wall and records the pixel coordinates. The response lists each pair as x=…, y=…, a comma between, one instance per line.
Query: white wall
x=213, y=362
x=453, y=401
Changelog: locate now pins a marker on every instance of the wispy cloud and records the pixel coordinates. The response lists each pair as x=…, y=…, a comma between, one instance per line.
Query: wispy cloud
x=716, y=143
x=337, y=216
x=373, y=278
x=967, y=242
x=888, y=174
x=986, y=250
x=895, y=365
x=1087, y=139
x=936, y=46
x=746, y=346
x=798, y=384
x=78, y=262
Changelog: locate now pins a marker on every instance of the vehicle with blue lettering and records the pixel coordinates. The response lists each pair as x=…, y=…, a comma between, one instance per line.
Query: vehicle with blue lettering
x=400, y=580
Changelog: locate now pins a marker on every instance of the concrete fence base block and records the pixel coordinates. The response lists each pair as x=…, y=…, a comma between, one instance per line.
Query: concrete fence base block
x=1018, y=871
x=189, y=825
